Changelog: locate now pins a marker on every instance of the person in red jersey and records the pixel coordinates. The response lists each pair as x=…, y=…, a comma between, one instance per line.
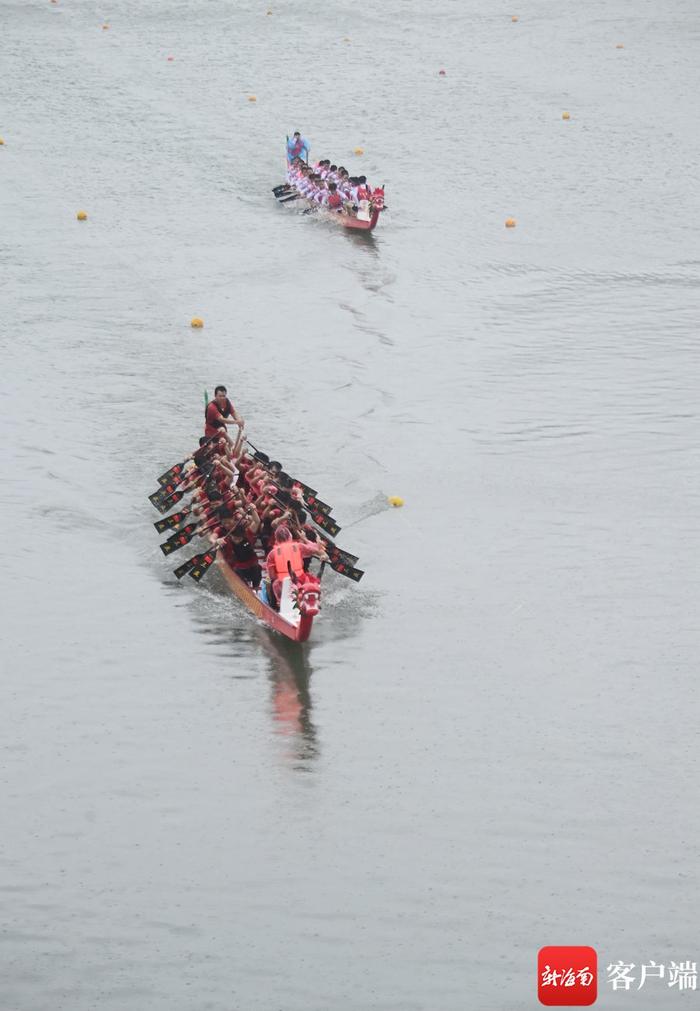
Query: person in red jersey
x=219, y=413
x=239, y=546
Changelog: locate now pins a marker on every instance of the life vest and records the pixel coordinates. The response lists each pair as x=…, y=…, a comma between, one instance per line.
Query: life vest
x=362, y=193
x=335, y=200
x=288, y=551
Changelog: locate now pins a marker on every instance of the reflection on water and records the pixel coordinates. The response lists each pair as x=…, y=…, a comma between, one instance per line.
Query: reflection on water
x=290, y=673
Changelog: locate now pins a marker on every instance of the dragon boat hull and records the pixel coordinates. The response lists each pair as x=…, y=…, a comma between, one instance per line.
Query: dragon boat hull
x=352, y=221
x=296, y=626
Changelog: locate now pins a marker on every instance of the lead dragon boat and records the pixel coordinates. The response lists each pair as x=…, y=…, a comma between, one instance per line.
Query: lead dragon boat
x=299, y=603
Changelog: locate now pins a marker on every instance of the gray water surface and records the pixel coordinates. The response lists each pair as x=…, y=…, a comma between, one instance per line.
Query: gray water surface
x=491, y=742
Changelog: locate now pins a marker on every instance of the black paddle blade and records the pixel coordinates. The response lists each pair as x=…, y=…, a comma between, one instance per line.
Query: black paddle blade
x=156, y=499
x=281, y=188
x=326, y=523
x=170, y=500
x=337, y=554
x=347, y=570
x=183, y=569
x=170, y=474
x=317, y=506
x=161, y=498
x=305, y=488
x=179, y=540
x=170, y=522
x=204, y=561
x=260, y=456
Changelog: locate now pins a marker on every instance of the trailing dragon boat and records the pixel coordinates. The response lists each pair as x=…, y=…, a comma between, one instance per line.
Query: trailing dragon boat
x=262, y=527
x=329, y=190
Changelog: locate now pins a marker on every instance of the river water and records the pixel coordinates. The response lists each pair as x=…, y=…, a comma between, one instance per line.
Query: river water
x=491, y=742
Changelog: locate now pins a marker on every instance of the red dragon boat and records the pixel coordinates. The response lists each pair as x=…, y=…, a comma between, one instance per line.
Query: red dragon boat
x=299, y=598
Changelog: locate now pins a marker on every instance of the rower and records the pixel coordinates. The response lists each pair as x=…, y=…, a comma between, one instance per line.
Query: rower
x=297, y=147
x=239, y=545
x=219, y=413
x=334, y=201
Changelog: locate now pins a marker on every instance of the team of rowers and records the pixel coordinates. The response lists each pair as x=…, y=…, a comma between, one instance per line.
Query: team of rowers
x=249, y=517
x=329, y=185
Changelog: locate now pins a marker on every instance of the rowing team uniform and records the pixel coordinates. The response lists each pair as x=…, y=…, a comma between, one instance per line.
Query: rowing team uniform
x=213, y=424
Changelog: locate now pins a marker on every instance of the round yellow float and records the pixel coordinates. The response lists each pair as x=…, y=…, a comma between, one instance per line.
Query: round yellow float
x=359, y=150
x=565, y=115
x=1, y=141
x=81, y=216
x=252, y=98
x=514, y=18
x=395, y=501
x=619, y=46
x=197, y=323
x=510, y=222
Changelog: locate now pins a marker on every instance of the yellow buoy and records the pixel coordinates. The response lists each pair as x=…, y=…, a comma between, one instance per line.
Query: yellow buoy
x=1, y=141
x=619, y=46
x=359, y=150
x=510, y=222
x=105, y=27
x=197, y=323
x=565, y=115
x=395, y=501
x=252, y=98
x=514, y=18
x=81, y=216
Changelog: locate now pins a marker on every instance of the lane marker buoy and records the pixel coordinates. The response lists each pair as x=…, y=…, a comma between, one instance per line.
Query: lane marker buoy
x=619, y=46
x=170, y=59
x=395, y=501
x=81, y=216
x=252, y=98
x=197, y=323
x=565, y=115
x=514, y=18
x=359, y=150
x=105, y=27
x=442, y=73
x=1, y=141
x=510, y=222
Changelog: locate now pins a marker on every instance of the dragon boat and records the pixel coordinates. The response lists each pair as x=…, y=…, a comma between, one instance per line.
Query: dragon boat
x=300, y=598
